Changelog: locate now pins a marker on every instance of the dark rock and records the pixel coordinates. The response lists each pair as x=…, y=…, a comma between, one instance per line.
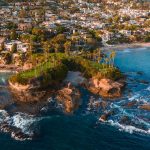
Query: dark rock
x=143, y=81
x=140, y=73
x=105, y=116
x=125, y=120
x=130, y=104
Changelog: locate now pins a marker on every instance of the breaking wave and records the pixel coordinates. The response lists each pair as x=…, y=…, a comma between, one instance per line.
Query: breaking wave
x=128, y=128
x=21, y=126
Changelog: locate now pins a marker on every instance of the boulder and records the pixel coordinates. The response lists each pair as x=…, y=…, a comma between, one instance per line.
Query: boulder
x=145, y=107
x=125, y=120
x=104, y=117
x=96, y=104
x=106, y=87
x=130, y=104
x=70, y=98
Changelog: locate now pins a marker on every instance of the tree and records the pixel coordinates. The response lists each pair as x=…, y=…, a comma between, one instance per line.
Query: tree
x=112, y=58
x=13, y=35
x=30, y=52
x=8, y=58
x=46, y=49
x=67, y=47
x=2, y=47
x=11, y=25
x=116, y=19
x=57, y=47
x=60, y=29
x=14, y=48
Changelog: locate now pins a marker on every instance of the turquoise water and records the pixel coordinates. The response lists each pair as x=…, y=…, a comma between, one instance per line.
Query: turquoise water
x=83, y=131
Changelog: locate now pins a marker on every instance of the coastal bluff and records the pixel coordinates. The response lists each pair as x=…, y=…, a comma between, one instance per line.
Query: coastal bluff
x=106, y=88
x=63, y=81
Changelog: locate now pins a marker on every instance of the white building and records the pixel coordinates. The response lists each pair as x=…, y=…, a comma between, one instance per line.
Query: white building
x=20, y=46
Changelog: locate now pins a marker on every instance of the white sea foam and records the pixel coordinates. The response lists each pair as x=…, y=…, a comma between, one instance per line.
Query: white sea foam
x=24, y=122
x=21, y=121
x=148, y=89
x=4, y=116
x=126, y=50
x=134, y=97
x=75, y=78
x=128, y=128
x=142, y=48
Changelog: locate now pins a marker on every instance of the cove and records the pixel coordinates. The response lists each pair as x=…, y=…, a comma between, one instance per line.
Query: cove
x=83, y=130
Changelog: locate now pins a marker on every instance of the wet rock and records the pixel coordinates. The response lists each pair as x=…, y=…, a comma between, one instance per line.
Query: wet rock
x=70, y=98
x=145, y=107
x=140, y=73
x=30, y=96
x=16, y=133
x=125, y=120
x=130, y=104
x=143, y=81
x=96, y=104
x=105, y=116
x=5, y=128
x=20, y=136
x=106, y=87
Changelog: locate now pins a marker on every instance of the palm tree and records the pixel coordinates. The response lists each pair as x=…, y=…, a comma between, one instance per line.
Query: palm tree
x=67, y=47
x=112, y=58
x=31, y=50
x=46, y=47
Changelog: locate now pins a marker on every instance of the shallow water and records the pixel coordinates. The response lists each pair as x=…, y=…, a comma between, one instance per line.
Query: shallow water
x=83, y=131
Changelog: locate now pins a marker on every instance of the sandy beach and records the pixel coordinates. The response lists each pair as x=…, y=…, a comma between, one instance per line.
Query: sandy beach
x=124, y=46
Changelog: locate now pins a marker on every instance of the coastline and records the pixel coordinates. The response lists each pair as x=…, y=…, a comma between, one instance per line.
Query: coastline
x=9, y=69
x=14, y=69
x=124, y=46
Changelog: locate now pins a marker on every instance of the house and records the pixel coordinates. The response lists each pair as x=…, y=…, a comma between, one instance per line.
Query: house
x=20, y=45
x=106, y=36
x=24, y=26
x=126, y=32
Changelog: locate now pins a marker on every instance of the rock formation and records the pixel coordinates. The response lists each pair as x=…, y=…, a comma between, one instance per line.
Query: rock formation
x=70, y=98
x=105, y=87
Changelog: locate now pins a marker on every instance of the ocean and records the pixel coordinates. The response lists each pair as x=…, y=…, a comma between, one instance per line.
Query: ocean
x=127, y=129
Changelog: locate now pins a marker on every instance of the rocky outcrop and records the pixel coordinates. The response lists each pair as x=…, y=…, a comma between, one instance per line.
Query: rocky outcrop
x=130, y=104
x=18, y=87
x=145, y=107
x=29, y=96
x=104, y=117
x=70, y=98
x=27, y=93
x=106, y=87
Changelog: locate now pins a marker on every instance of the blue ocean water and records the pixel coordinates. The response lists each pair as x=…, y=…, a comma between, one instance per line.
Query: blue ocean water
x=82, y=130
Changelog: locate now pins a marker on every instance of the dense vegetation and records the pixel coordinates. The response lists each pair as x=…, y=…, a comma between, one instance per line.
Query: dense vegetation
x=56, y=68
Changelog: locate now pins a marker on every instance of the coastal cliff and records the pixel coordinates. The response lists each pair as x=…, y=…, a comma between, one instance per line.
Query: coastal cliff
x=28, y=88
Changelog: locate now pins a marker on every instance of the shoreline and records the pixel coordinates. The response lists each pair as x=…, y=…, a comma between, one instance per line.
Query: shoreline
x=125, y=46
x=14, y=69
x=9, y=69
